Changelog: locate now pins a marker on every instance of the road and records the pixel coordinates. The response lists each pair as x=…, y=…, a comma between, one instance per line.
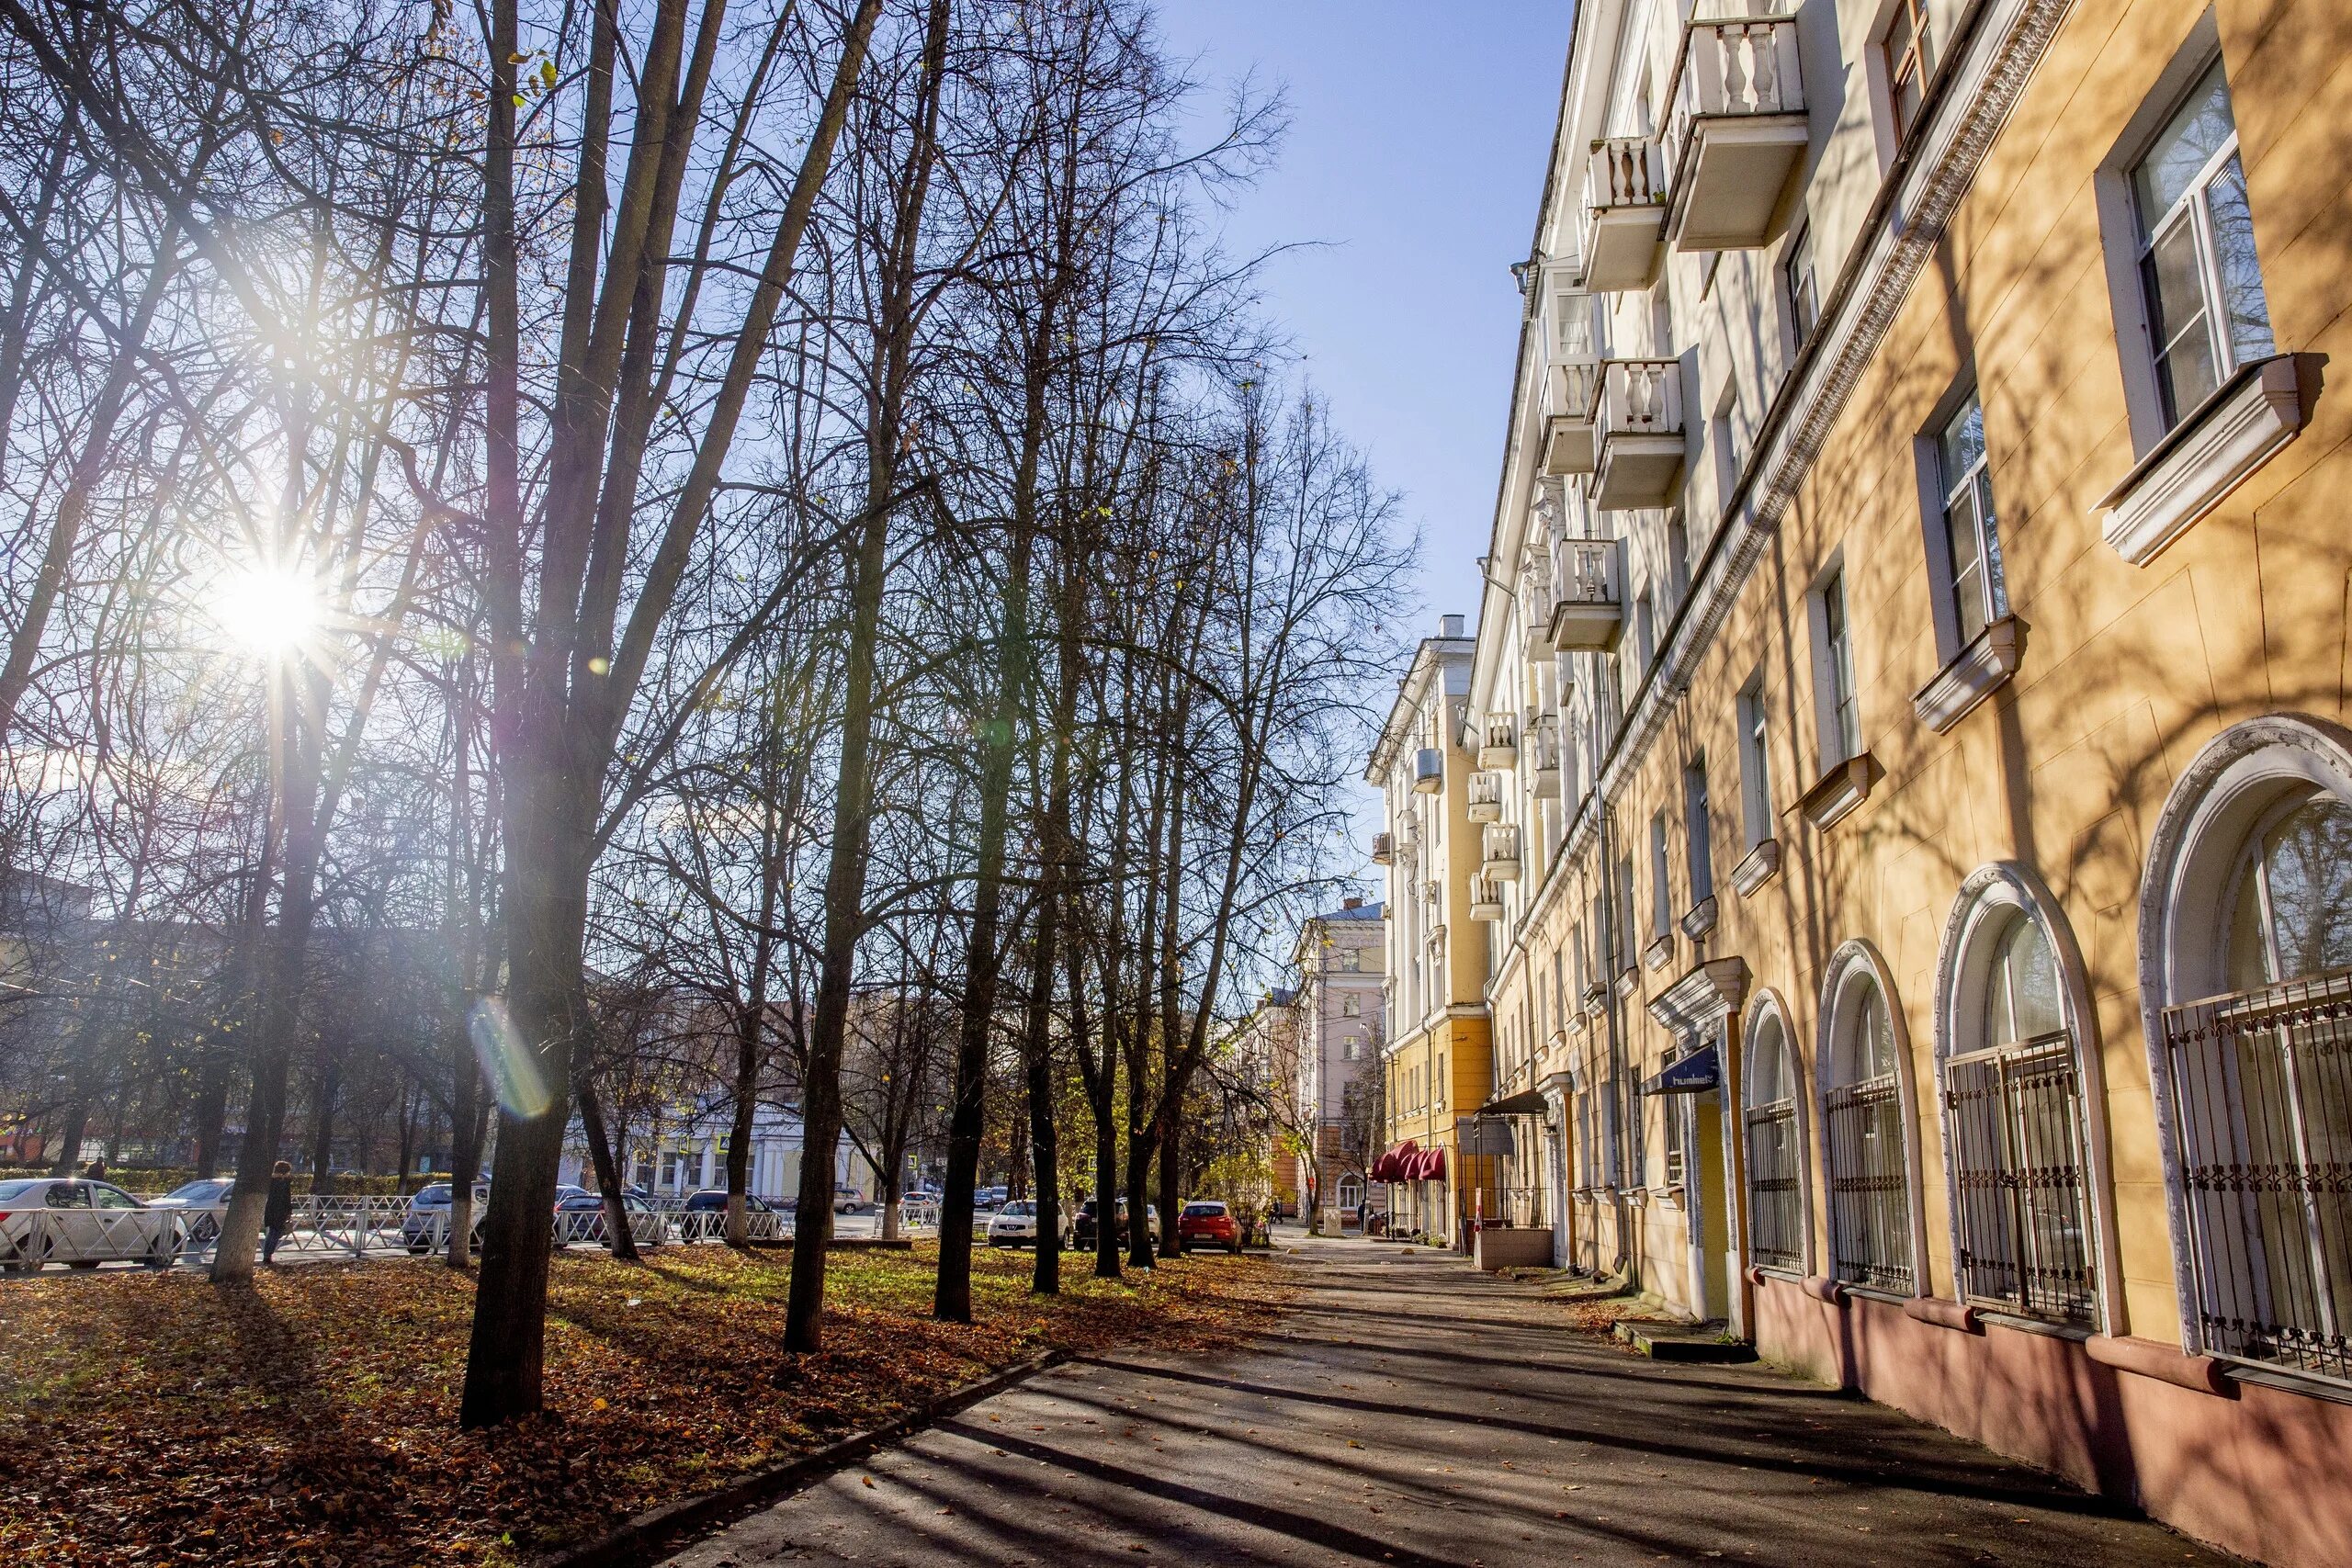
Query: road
x=1411, y=1412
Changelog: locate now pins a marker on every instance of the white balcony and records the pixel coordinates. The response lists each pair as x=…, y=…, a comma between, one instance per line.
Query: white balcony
x=1640, y=421
x=1429, y=770
x=1486, y=797
x=1588, y=607
x=1383, y=848
x=1547, y=743
x=1570, y=390
x=1486, y=900
x=1623, y=215
x=1498, y=743
x=1498, y=858
x=1734, y=131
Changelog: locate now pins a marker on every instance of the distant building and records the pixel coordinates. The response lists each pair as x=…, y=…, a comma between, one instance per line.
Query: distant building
x=1340, y=1014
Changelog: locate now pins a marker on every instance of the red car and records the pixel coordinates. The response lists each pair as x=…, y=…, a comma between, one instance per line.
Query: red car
x=1207, y=1223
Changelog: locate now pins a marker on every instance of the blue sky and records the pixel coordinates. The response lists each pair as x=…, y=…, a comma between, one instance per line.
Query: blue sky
x=1419, y=130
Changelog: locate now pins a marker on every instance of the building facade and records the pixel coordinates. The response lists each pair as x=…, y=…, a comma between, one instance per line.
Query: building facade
x=1910, y=725
x=1434, y=1065
x=1338, y=1015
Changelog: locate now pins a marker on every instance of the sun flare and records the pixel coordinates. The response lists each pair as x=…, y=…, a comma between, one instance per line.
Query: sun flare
x=269, y=610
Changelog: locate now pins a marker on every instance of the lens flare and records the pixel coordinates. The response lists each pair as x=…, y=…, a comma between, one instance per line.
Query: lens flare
x=512, y=1067
x=269, y=610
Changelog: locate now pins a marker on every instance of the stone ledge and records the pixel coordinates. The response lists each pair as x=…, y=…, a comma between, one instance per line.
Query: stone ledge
x=2208, y=454
x=1974, y=673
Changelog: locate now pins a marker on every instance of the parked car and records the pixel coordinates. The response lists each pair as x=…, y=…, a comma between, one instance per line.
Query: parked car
x=428, y=1212
x=84, y=1223
x=580, y=1217
x=711, y=1198
x=1015, y=1225
x=211, y=1192
x=850, y=1201
x=1208, y=1223
x=703, y=1216
x=1082, y=1227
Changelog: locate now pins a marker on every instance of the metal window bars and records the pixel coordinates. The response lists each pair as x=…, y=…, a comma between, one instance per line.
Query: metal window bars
x=2019, y=1164
x=1775, y=1191
x=1869, y=1187
x=2262, y=1118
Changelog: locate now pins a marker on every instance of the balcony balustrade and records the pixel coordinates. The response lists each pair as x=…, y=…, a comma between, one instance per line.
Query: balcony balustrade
x=1429, y=770
x=1571, y=388
x=1486, y=797
x=1486, y=900
x=1734, y=131
x=1383, y=848
x=1498, y=741
x=1588, y=607
x=1640, y=421
x=1499, y=844
x=1623, y=214
x=1547, y=741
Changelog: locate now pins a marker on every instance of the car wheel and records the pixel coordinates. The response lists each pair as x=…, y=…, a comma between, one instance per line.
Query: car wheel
x=1234, y=1245
x=83, y=1263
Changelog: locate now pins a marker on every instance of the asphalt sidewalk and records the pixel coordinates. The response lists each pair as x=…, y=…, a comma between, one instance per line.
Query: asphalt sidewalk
x=1413, y=1411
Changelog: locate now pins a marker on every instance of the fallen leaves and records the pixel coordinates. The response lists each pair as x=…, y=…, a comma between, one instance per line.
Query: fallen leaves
x=313, y=1417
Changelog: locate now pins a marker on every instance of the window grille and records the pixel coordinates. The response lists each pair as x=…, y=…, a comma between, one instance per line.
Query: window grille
x=2015, y=1115
x=1870, y=1188
x=2262, y=1115
x=1776, y=1202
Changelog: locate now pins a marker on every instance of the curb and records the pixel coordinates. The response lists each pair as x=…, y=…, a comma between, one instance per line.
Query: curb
x=635, y=1541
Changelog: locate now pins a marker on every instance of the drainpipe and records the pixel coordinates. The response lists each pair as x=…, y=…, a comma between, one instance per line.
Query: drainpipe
x=1620, y=1138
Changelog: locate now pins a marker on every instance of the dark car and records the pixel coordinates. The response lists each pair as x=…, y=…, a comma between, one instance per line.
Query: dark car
x=426, y=1226
x=704, y=1216
x=1082, y=1228
x=1207, y=1223
x=580, y=1217
x=204, y=1196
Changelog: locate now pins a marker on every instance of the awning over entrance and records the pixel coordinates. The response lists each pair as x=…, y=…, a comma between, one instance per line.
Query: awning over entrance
x=1408, y=1162
x=1694, y=1074
x=1526, y=1102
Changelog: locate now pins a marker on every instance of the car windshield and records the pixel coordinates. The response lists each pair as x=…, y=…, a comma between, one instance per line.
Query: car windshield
x=1024, y=1207
x=12, y=1190
x=1204, y=1210
x=431, y=1196
x=197, y=1191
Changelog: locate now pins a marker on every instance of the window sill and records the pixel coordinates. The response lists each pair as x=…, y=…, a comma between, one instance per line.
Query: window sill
x=2286, y=1381
x=1659, y=953
x=2079, y=1333
x=1846, y=785
x=1629, y=982
x=1874, y=1294
x=1974, y=673
x=1699, y=919
x=2208, y=454
x=1759, y=867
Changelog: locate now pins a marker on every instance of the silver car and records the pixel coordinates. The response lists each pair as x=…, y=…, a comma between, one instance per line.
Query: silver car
x=75, y=1221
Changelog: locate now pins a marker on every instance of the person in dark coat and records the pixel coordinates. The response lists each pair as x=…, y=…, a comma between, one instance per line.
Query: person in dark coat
x=95, y=1171
x=279, y=1211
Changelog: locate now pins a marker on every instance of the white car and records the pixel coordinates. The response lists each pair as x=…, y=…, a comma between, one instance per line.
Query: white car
x=1015, y=1225
x=84, y=1223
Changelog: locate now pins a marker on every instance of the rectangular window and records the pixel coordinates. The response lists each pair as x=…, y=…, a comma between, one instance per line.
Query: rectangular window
x=1840, y=711
x=1971, y=537
x=1905, y=52
x=1696, y=831
x=1661, y=899
x=1441, y=1081
x=1351, y=959
x=1797, y=286
x=2206, y=310
x=1645, y=637
x=1678, y=562
x=1670, y=1106
x=1755, y=766
x=1624, y=950
x=1351, y=1006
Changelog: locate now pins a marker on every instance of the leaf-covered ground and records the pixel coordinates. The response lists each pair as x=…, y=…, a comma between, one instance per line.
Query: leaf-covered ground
x=312, y=1418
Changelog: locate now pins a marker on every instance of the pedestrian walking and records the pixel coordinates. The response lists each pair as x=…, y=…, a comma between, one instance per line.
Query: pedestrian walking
x=279, y=1211
x=97, y=1169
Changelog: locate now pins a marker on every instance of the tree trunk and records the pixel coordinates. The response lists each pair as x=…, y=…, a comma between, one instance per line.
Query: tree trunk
x=323, y=1128
x=608, y=1179
x=1171, y=1184
x=211, y=1110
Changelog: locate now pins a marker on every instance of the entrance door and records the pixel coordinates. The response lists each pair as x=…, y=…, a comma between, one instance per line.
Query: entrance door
x=1711, y=1248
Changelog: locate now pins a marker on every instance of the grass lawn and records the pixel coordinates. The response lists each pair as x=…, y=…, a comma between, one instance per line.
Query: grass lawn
x=312, y=1418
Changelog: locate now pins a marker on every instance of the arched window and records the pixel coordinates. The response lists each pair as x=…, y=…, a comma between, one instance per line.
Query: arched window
x=1870, y=1165
x=2261, y=1084
x=2013, y=1101
x=1775, y=1154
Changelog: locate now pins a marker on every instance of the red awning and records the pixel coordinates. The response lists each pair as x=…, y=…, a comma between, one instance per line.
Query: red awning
x=1396, y=1163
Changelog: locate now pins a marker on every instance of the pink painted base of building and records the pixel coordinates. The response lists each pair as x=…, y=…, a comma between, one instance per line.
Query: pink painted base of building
x=2228, y=1462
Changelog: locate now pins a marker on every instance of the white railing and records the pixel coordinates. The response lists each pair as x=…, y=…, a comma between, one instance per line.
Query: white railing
x=1581, y=572
x=1485, y=797
x=1641, y=397
x=1485, y=899
x=1499, y=842
x=1570, y=389
x=1622, y=171
x=1548, y=744
x=1500, y=733
x=1734, y=66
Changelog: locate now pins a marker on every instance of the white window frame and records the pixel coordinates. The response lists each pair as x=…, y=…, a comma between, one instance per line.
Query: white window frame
x=1856, y=965
x=1755, y=762
x=1836, y=694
